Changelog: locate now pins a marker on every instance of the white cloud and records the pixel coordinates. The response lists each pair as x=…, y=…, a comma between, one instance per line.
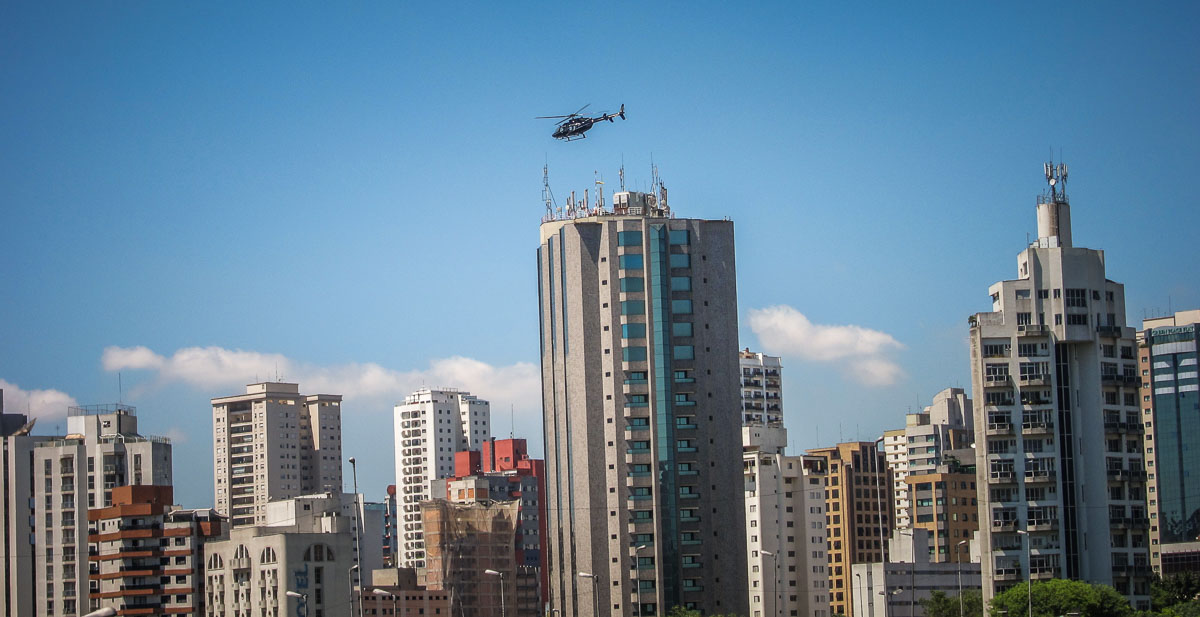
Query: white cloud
x=41, y=404
x=863, y=353
x=362, y=384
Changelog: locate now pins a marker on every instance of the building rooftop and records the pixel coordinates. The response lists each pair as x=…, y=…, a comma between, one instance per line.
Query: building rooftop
x=99, y=410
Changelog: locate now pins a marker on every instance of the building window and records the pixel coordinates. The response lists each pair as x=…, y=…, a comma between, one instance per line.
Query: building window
x=631, y=262
x=685, y=352
x=681, y=328
x=633, y=330
x=634, y=354
x=681, y=283
x=679, y=236
x=681, y=307
x=633, y=307
x=629, y=238
x=681, y=260
x=633, y=283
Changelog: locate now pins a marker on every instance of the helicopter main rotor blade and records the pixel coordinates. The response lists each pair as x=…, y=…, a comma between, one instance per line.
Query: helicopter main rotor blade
x=548, y=117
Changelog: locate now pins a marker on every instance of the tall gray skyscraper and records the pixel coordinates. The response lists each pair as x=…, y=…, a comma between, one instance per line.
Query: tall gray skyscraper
x=641, y=400
x=1062, y=491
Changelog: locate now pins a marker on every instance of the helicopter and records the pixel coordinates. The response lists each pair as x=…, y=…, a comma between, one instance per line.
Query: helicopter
x=574, y=126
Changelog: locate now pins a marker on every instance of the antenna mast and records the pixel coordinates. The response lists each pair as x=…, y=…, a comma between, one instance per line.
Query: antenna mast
x=599, y=193
x=547, y=196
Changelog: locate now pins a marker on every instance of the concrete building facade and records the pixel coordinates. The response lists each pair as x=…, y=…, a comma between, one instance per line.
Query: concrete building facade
x=946, y=424
x=785, y=533
x=1170, y=399
x=101, y=451
x=17, y=542
x=895, y=588
x=640, y=378
x=945, y=504
x=273, y=443
x=463, y=541
x=858, y=515
x=1050, y=364
x=762, y=388
x=431, y=425
x=146, y=556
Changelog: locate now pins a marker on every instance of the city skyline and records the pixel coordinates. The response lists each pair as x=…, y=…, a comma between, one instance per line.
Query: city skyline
x=205, y=198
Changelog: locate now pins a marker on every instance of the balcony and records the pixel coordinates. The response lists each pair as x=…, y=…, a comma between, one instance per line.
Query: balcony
x=1037, y=428
x=1042, y=379
x=1004, y=525
x=993, y=381
x=1113, y=331
x=999, y=428
x=1042, y=525
x=1007, y=574
x=1002, y=477
x=1039, y=476
x=1042, y=573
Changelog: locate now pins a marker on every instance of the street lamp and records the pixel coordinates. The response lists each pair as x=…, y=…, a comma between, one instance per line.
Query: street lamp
x=638, y=576
x=303, y=597
x=775, y=561
x=595, y=591
x=358, y=523
x=501, y=575
x=861, y=592
x=350, y=581
x=1028, y=564
x=958, y=549
x=380, y=592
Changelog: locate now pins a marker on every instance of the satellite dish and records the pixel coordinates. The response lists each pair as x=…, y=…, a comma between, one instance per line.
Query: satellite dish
x=1053, y=181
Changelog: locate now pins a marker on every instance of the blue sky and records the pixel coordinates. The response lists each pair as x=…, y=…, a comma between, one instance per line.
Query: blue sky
x=198, y=195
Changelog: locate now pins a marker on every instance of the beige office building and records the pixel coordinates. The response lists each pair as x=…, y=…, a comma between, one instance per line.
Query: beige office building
x=857, y=514
x=641, y=403
x=762, y=388
x=274, y=443
x=1050, y=363
x=431, y=425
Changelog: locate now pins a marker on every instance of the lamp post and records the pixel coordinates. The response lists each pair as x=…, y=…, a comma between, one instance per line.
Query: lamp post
x=775, y=561
x=350, y=581
x=595, y=591
x=958, y=550
x=303, y=597
x=358, y=523
x=1029, y=565
x=380, y=592
x=861, y=592
x=501, y=575
x=638, y=578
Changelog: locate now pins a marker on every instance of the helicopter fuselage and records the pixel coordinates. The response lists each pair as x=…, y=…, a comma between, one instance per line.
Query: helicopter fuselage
x=574, y=128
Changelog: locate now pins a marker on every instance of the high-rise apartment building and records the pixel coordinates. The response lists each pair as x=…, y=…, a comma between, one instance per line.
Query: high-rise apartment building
x=946, y=424
x=431, y=425
x=858, y=516
x=786, y=535
x=16, y=524
x=274, y=443
x=640, y=379
x=146, y=556
x=762, y=388
x=1170, y=401
x=1050, y=364
x=101, y=451
x=945, y=504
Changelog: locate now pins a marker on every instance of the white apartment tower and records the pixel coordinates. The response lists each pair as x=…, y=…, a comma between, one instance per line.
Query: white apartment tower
x=1050, y=361
x=641, y=406
x=274, y=443
x=948, y=423
x=785, y=530
x=431, y=425
x=102, y=450
x=762, y=389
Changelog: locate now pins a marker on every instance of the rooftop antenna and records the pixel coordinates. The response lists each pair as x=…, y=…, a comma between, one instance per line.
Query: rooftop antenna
x=512, y=421
x=120, y=389
x=547, y=196
x=622, y=173
x=599, y=192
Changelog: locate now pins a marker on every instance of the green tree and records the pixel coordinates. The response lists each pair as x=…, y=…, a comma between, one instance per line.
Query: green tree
x=1169, y=591
x=1059, y=597
x=938, y=604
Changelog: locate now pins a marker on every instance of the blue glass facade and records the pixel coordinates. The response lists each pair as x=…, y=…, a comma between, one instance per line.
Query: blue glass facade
x=1177, y=432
